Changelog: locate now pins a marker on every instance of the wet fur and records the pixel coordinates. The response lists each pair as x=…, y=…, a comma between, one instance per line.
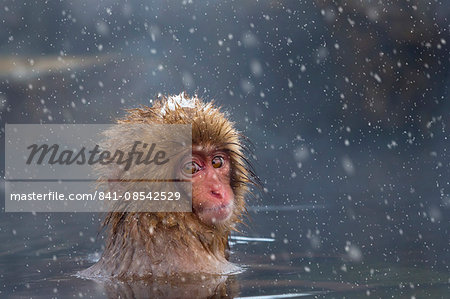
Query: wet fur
x=158, y=244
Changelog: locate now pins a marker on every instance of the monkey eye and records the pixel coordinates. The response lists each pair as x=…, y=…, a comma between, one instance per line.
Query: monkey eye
x=191, y=168
x=217, y=161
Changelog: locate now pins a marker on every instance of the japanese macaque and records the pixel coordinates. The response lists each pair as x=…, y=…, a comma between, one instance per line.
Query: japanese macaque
x=141, y=244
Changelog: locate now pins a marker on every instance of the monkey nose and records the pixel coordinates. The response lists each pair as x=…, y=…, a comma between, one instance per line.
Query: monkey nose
x=216, y=193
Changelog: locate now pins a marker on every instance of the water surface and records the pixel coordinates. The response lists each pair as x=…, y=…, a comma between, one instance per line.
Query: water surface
x=41, y=253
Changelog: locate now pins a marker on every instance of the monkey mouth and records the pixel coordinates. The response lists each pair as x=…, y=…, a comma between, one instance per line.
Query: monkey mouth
x=215, y=214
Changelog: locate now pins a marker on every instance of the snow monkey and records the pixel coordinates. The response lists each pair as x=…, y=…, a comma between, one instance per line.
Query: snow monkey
x=155, y=244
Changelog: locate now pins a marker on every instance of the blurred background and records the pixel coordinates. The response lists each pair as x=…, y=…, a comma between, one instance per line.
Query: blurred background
x=346, y=102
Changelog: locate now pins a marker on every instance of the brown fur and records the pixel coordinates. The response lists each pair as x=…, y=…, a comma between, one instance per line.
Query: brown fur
x=158, y=244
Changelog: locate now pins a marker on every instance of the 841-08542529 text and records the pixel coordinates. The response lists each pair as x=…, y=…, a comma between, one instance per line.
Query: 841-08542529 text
x=97, y=195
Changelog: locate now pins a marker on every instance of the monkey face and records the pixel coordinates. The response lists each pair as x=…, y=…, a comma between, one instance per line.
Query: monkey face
x=212, y=195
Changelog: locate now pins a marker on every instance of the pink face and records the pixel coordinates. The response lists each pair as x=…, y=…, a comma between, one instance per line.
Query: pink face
x=212, y=196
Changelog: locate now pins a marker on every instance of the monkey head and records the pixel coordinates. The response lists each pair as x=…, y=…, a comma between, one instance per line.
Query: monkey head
x=218, y=169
